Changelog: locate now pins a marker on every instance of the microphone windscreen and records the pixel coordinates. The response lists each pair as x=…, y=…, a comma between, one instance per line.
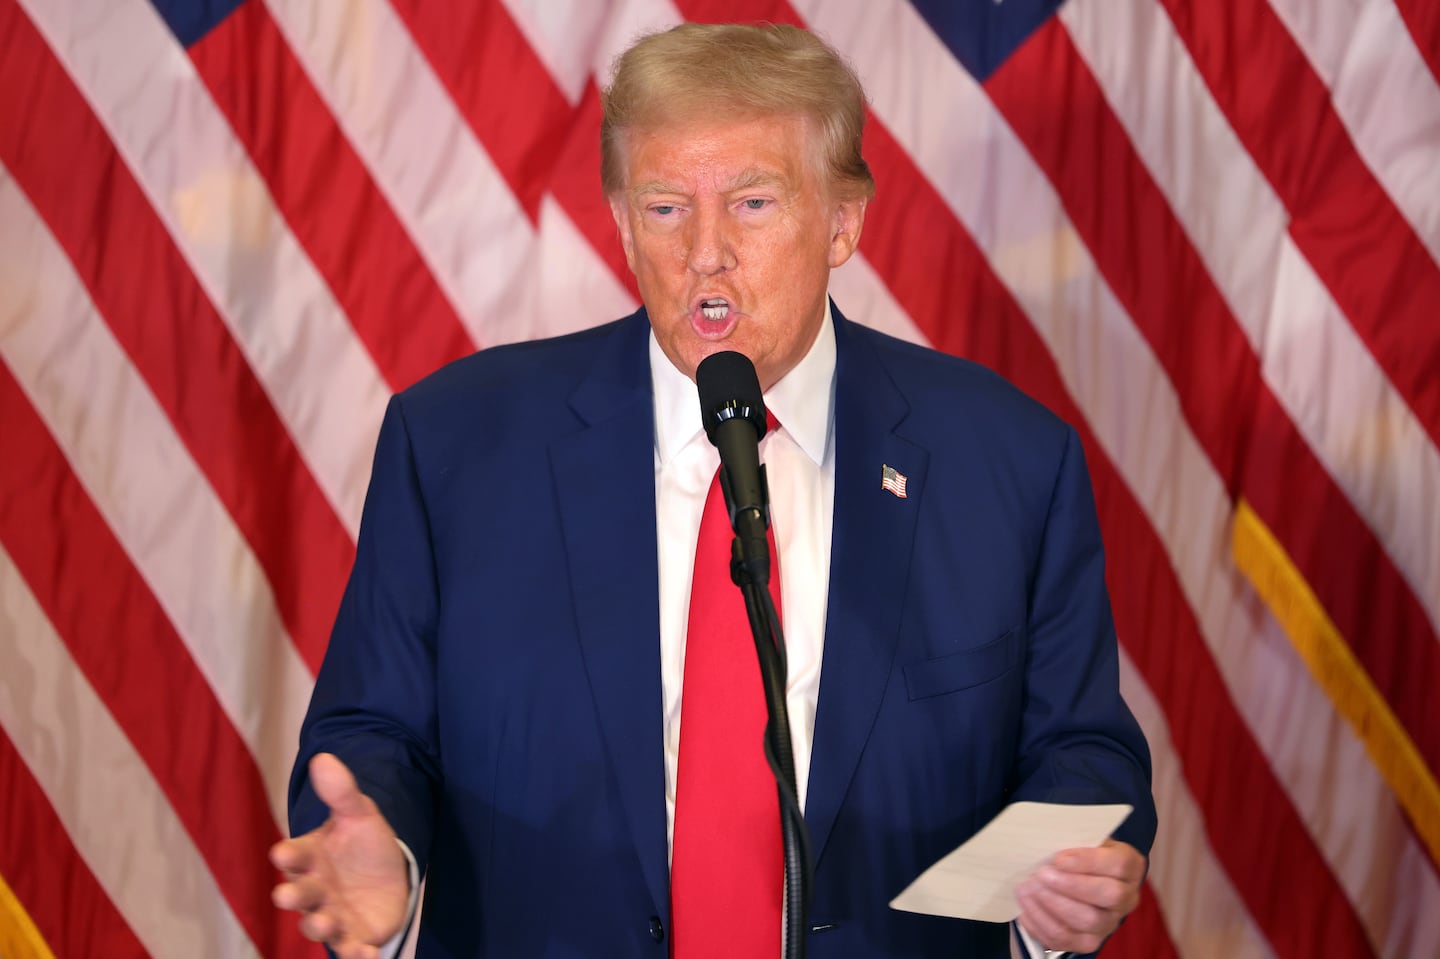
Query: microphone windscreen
x=729, y=388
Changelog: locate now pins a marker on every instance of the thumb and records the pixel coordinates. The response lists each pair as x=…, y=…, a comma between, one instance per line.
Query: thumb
x=336, y=787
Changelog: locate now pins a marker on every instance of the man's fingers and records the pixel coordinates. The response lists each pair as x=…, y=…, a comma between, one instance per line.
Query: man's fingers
x=1117, y=860
x=1080, y=898
x=320, y=927
x=1045, y=928
x=336, y=787
x=356, y=950
x=1080, y=915
x=292, y=855
x=1063, y=924
x=299, y=894
x=1102, y=892
x=325, y=927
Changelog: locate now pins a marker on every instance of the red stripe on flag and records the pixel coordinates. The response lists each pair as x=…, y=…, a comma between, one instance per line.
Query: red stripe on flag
x=1422, y=19
x=202, y=764
x=37, y=860
x=1362, y=249
x=63, y=160
x=576, y=187
x=1143, y=934
x=502, y=89
x=510, y=101
x=933, y=268
x=1364, y=601
x=328, y=198
x=1262, y=843
x=1052, y=102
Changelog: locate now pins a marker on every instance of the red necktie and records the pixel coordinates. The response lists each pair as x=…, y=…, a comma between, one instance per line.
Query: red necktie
x=727, y=871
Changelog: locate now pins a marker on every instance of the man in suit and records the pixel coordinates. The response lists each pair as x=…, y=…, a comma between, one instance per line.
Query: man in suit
x=504, y=689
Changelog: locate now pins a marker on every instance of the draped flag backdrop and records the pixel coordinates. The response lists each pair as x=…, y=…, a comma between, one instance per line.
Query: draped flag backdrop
x=1206, y=232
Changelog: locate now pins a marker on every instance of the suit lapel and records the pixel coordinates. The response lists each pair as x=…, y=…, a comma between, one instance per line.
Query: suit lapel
x=870, y=553
x=605, y=479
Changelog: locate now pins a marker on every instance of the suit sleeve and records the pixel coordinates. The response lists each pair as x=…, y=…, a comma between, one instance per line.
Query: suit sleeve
x=374, y=699
x=1079, y=742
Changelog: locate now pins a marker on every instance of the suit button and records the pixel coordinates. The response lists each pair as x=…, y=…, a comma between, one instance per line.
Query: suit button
x=657, y=929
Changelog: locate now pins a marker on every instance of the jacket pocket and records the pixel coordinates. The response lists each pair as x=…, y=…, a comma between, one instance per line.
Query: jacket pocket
x=969, y=667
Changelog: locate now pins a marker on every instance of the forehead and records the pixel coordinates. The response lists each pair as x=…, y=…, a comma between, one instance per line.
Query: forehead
x=719, y=152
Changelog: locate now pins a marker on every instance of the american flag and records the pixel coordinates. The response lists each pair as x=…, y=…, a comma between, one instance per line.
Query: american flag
x=893, y=480
x=1206, y=233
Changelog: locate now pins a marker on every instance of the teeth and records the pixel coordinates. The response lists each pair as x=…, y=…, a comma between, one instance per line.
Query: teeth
x=716, y=309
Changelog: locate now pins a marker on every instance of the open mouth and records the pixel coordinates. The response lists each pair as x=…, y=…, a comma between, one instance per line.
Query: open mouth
x=715, y=308
x=713, y=317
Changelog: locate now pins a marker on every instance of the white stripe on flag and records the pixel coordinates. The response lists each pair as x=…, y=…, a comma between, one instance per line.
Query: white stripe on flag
x=150, y=492
x=1322, y=374
x=1347, y=806
x=443, y=186
x=565, y=35
x=1203, y=913
x=101, y=790
x=866, y=299
x=197, y=176
x=1350, y=810
x=628, y=20
x=1383, y=92
x=572, y=287
x=508, y=280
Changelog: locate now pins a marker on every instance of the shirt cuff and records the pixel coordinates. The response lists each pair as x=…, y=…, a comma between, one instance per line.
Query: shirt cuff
x=392, y=948
x=1029, y=948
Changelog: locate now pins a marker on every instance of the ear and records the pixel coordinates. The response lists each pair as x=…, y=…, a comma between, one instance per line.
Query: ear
x=620, y=210
x=845, y=234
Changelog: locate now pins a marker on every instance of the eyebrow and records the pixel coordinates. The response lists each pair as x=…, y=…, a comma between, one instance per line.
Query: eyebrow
x=746, y=180
x=753, y=178
x=655, y=186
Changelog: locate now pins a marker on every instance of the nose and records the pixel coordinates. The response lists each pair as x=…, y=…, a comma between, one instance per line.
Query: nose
x=711, y=247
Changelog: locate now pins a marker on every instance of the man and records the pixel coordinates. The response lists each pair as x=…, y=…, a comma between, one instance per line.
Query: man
x=505, y=685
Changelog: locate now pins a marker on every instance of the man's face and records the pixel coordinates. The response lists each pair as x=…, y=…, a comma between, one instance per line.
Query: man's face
x=731, y=234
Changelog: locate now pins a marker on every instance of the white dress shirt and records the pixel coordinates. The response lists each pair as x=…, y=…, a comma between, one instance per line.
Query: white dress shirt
x=800, y=465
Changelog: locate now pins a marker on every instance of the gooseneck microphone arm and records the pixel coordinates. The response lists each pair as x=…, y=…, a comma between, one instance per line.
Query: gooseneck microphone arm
x=734, y=414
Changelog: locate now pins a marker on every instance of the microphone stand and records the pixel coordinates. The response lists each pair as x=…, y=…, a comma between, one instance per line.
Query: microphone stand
x=750, y=570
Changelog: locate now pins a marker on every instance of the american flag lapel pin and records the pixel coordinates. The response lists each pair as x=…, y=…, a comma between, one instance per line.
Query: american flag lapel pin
x=892, y=479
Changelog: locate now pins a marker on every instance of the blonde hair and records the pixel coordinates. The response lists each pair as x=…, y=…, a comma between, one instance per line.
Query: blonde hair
x=761, y=70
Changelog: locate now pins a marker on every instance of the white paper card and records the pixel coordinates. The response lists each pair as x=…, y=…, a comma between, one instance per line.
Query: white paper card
x=978, y=880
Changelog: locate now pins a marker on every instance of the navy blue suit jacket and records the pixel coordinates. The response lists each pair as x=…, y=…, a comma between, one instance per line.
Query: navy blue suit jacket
x=494, y=675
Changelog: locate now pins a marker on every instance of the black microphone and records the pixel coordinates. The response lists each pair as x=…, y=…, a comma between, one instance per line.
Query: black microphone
x=733, y=412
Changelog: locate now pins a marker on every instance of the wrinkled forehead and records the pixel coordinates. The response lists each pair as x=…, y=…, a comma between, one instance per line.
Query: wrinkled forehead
x=675, y=125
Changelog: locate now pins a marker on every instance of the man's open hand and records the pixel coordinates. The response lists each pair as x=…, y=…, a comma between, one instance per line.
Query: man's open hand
x=348, y=879
x=1078, y=898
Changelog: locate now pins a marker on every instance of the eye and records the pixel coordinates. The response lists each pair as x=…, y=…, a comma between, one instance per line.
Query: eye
x=755, y=203
x=662, y=209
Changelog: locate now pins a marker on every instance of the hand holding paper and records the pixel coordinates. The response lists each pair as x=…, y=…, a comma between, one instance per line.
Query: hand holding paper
x=1076, y=901
x=1043, y=863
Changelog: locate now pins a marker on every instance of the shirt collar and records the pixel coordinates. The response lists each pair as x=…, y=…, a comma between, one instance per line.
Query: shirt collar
x=803, y=401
